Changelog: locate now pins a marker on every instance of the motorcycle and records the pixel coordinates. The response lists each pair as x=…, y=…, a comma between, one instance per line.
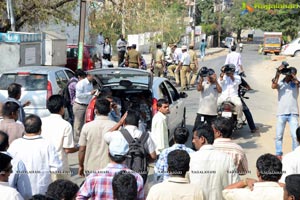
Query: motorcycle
x=227, y=109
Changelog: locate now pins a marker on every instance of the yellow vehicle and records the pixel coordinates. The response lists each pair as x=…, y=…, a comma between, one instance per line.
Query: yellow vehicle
x=272, y=42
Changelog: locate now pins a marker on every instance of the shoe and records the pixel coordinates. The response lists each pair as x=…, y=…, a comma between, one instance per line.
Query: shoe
x=254, y=130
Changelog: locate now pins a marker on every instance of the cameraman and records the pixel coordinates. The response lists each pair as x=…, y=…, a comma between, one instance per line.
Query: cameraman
x=209, y=89
x=230, y=82
x=288, y=91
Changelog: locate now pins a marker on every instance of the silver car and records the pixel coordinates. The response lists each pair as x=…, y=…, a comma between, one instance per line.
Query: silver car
x=38, y=84
x=131, y=86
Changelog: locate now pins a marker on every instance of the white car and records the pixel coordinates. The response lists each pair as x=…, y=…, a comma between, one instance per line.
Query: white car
x=292, y=48
x=38, y=84
x=130, y=85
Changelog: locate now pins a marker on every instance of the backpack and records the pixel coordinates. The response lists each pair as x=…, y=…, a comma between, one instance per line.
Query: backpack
x=66, y=94
x=137, y=155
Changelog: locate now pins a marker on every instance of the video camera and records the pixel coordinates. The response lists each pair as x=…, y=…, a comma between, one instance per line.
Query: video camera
x=204, y=72
x=285, y=70
x=228, y=68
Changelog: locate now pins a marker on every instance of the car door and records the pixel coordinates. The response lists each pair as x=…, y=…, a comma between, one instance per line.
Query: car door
x=176, y=105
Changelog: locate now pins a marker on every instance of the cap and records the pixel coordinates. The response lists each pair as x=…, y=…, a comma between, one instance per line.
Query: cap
x=118, y=147
x=183, y=47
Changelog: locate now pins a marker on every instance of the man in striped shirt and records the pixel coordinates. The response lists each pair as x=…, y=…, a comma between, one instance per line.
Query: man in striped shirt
x=222, y=128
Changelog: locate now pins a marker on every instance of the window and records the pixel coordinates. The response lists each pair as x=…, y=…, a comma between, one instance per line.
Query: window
x=29, y=82
x=61, y=79
x=70, y=74
x=164, y=93
x=173, y=92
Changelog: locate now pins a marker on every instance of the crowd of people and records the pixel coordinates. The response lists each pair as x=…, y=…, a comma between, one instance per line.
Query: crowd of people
x=114, y=152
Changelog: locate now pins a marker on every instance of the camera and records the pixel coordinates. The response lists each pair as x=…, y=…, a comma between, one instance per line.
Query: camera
x=203, y=72
x=229, y=68
x=285, y=70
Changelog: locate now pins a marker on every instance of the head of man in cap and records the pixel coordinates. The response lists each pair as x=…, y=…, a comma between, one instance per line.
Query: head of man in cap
x=183, y=48
x=118, y=149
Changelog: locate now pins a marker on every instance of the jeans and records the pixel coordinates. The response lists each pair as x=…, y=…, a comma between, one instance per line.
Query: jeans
x=281, y=121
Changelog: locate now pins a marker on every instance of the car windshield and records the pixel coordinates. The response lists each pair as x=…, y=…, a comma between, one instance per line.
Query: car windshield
x=120, y=76
x=273, y=40
x=29, y=82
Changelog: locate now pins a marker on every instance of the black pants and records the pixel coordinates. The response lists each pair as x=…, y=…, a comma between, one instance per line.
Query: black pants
x=106, y=56
x=121, y=57
x=201, y=119
x=248, y=116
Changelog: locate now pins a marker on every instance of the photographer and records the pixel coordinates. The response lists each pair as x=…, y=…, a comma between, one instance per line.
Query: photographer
x=288, y=91
x=230, y=82
x=209, y=89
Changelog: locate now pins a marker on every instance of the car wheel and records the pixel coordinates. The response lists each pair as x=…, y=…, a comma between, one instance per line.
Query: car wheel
x=277, y=53
x=297, y=53
x=183, y=123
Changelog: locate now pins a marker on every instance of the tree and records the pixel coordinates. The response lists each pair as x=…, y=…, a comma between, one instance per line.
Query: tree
x=33, y=12
x=282, y=20
x=140, y=16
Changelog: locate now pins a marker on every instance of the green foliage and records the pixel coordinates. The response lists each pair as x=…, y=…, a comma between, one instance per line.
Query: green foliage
x=32, y=12
x=141, y=16
x=282, y=20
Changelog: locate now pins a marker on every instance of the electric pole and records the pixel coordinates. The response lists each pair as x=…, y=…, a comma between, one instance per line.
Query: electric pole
x=81, y=33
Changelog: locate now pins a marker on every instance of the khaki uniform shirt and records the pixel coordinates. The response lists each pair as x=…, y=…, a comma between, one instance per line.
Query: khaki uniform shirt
x=133, y=57
x=193, y=56
x=92, y=133
x=175, y=188
x=158, y=56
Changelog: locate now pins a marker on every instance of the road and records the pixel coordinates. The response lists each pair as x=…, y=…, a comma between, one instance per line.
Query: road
x=262, y=103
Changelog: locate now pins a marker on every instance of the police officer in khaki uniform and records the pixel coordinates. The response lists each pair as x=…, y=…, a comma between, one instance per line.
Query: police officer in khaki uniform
x=184, y=66
x=158, y=61
x=175, y=61
x=133, y=57
x=193, y=66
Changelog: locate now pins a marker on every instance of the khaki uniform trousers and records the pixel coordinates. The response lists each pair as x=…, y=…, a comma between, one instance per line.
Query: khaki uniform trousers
x=194, y=71
x=171, y=70
x=184, y=73
x=133, y=65
x=158, y=70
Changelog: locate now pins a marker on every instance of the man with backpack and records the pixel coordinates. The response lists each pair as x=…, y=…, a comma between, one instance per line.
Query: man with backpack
x=141, y=146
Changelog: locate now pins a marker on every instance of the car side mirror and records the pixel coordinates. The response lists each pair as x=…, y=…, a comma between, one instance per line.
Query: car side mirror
x=223, y=41
x=183, y=95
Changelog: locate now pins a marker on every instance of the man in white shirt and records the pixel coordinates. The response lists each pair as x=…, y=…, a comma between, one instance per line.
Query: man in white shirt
x=59, y=132
x=291, y=161
x=269, y=170
x=121, y=47
x=84, y=93
x=235, y=59
x=210, y=169
x=17, y=180
x=99, y=45
x=184, y=66
x=209, y=90
x=131, y=125
x=223, y=128
x=177, y=187
x=159, y=126
x=38, y=155
x=7, y=192
x=230, y=85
